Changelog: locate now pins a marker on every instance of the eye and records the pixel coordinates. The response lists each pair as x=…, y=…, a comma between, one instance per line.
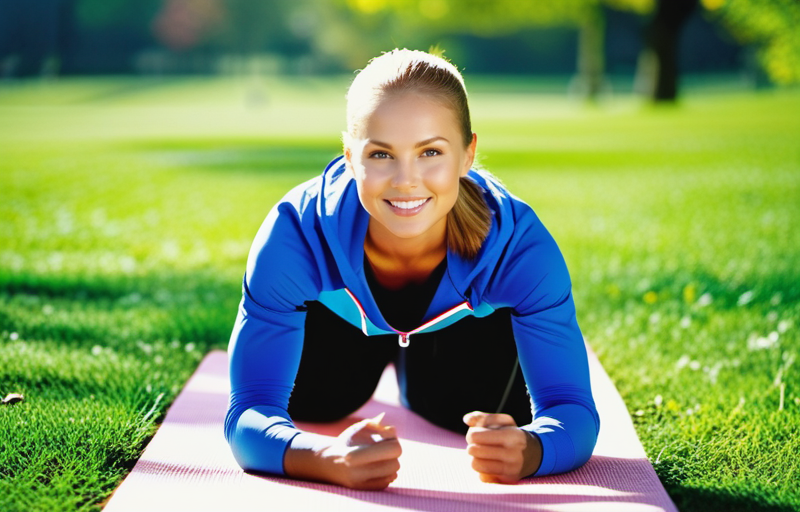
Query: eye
x=431, y=152
x=379, y=155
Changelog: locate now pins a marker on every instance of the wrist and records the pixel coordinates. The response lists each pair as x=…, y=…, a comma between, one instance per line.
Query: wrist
x=532, y=457
x=306, y=459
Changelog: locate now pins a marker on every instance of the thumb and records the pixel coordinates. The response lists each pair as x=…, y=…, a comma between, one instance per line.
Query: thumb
x=376, y=421
x=488, y=420
x=475, y=418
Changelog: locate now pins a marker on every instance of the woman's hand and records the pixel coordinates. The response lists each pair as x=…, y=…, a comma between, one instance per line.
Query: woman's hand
x=363, y=456
x=501, y=452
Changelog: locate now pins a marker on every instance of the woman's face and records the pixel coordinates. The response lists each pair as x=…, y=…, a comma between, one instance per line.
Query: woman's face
x=407, y=163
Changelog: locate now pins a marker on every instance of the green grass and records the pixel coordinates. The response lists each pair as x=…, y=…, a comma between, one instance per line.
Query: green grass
x=127, y=208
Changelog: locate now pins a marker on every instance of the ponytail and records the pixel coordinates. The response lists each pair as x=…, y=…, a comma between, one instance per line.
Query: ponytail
x=469, y=221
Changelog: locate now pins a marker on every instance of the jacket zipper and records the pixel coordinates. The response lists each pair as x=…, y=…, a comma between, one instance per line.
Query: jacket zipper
x=404, y=337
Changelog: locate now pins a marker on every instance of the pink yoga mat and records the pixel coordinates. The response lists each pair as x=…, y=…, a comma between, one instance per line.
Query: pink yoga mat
x=188, y=466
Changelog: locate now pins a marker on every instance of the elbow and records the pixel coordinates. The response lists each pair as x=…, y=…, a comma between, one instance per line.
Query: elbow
x=258, y=438
x=237, y=439
x=569, y=446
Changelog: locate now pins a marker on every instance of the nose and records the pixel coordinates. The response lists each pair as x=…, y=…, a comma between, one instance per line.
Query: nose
x=406, y=175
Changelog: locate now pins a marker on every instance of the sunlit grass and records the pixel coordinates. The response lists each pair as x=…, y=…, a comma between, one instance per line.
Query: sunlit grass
x=127, y=208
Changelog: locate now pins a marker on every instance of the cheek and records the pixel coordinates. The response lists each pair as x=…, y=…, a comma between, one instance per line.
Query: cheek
x=370, y=185
x=444, y=180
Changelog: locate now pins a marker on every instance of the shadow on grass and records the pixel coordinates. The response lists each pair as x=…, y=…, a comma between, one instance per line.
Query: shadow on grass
x=196, y=285
x=197, y=306
x=292, y=159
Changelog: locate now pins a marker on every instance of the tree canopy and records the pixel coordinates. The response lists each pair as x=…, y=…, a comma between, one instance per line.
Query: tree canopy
x=773, y=26
x=769, y=25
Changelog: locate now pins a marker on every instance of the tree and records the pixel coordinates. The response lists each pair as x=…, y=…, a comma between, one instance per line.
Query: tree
x=769, y=25
x=657, y=74
x=505, y=16
x=32, y=36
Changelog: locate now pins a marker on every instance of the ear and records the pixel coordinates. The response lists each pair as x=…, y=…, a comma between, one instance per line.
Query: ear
x=348, y=152
x=471, y=149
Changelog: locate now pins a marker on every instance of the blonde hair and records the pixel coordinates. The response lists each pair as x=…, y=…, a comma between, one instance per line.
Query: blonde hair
x=400, y=71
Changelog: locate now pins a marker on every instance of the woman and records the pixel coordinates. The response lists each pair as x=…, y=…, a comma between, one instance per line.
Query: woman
x=401, y=252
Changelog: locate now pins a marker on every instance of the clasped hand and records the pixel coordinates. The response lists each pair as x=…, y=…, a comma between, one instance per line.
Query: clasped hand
x=501, y=452
x=365, y=455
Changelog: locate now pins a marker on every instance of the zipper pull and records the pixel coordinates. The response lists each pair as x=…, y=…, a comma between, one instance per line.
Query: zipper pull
x=404, y=339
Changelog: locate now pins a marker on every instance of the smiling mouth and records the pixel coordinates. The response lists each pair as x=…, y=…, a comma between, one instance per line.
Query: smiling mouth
x=408, y=205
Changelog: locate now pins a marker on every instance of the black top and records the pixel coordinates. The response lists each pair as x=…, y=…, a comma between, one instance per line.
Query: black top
x=405, y=308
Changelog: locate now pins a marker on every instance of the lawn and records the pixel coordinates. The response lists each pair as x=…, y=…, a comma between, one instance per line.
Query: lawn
x=127, y=207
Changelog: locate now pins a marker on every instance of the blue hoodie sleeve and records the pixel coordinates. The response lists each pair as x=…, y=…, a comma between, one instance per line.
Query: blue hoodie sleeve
x=553, y=358
x=267, y=341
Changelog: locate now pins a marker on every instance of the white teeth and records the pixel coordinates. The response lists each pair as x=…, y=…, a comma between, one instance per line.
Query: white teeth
x=407, y=205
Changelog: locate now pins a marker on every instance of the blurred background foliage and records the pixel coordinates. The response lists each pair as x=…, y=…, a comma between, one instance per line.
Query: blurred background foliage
x=646, y=41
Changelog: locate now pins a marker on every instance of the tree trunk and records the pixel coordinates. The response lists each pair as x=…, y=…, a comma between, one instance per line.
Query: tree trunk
x=591, y=55
x=657, y=73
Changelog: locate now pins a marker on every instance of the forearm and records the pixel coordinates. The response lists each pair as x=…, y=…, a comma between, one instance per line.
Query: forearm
x=307, y=461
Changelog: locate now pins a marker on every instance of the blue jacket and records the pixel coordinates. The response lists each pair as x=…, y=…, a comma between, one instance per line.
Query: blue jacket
x=311, y=247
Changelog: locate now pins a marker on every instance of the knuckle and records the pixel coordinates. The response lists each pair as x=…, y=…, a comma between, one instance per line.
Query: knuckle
x=477, y=465
x=395, y=450
x=470, y=434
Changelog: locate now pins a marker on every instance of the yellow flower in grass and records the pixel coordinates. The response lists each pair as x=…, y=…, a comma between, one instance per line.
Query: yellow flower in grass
x=650, y=297
x=689, y=293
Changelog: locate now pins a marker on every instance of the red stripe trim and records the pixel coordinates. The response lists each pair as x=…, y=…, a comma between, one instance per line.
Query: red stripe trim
x=447, y=314
x=433, y=321
x=360, y=311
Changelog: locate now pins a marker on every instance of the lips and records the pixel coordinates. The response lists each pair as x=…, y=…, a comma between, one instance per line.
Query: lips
x=407, y=207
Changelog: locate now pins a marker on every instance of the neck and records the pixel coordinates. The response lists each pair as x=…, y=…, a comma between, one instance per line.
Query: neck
x=397, y=262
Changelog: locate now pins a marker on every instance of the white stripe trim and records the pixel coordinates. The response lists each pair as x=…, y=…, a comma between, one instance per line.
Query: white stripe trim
x=360, y=311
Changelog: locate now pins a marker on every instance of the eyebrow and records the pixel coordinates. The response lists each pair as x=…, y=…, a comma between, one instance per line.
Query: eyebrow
x=417, y=145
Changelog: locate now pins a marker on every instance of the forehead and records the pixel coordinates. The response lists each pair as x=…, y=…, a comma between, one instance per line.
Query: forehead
x=409, y=112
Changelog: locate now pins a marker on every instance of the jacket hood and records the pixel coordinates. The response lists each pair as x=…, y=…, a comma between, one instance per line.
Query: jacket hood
x=344, y=222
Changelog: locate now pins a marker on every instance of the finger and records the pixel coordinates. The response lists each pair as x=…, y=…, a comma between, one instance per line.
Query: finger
x=494, y=453
x=490, y=467
x=489, y=479
x=389, y=432
x=385, y=433
x=366, y=432
x=374, y=474
x=373, y=425
x=378, y=484
x=385, y=450
x=369, y=423
x=378, y=419
x=474, y=418
x=495, y=479
x=488, y=420
x=383, y=468
x=504, y=436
